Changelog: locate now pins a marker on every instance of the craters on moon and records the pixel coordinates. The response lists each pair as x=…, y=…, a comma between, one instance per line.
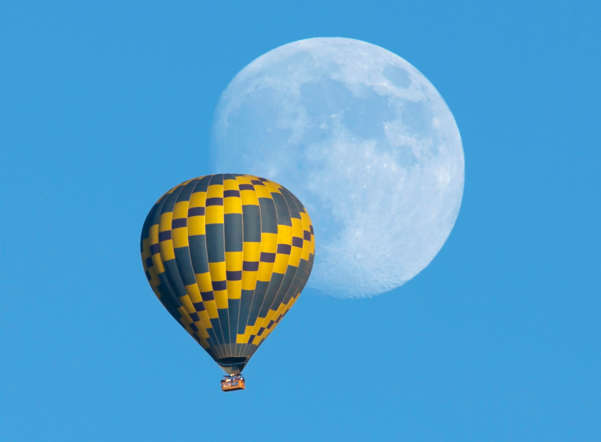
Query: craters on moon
x=367, y=144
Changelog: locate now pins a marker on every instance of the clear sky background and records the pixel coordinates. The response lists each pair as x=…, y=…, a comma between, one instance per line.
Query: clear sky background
x=105, y=105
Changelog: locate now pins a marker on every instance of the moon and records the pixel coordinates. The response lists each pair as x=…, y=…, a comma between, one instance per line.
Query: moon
x=367, y=144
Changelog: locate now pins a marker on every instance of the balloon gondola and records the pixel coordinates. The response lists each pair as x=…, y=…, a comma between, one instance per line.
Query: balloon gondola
x=232, y=382
x=228, y=255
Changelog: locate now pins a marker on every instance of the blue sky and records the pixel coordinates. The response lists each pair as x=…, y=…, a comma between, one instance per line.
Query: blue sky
x=105, y=105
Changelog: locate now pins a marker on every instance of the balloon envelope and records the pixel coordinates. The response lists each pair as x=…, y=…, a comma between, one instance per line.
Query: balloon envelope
x=228, y=255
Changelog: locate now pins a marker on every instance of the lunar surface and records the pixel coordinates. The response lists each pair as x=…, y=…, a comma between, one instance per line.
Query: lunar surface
x=366, y=143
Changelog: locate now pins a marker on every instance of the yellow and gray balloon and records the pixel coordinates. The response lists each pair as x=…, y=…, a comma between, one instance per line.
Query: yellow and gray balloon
x=228, y=255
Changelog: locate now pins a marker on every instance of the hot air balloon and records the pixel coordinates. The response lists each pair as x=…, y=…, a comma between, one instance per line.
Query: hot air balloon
x=228, y=255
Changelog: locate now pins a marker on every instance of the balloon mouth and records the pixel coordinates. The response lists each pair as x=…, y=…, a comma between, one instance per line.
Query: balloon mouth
x=232, y=365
